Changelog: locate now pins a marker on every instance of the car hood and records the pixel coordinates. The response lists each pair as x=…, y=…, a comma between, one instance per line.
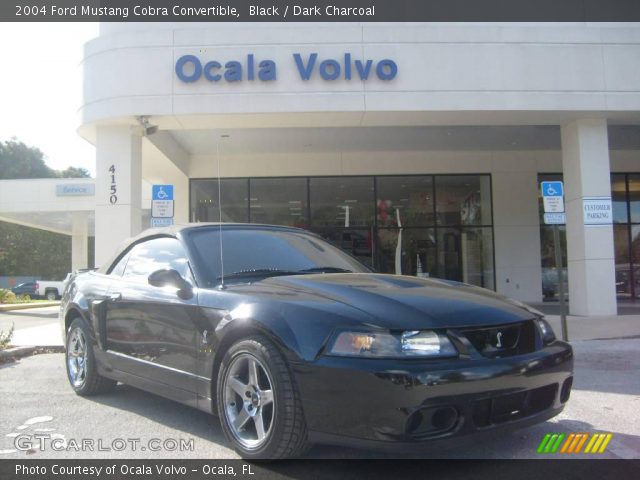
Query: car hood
x=403, y=302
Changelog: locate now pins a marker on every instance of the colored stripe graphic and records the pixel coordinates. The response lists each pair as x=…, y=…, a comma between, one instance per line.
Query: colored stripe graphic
x=573, y=443
x=596, y=445
x=543, y=443
x=584, y=439
x=606, y=442
x=550, y=443
x=556, y=445
x=568, y=442
x=593, y=439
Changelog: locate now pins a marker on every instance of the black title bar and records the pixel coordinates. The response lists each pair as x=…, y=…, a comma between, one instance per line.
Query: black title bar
x=320, y=10
x=31, y=469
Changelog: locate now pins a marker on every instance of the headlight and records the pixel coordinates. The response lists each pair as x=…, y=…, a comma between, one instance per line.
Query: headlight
x=546, y=331
x=409, y=344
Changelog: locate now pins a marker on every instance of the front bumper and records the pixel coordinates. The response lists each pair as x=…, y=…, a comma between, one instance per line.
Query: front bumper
x=355, y=401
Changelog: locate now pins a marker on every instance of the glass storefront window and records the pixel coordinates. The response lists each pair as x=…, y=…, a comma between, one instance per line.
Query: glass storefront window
x=634, y=198
x=417, y=251
x=446, y=219
x=279, y=201
x=621, y=249
x=466, y=255
x=341, y=201
x=463, y=199
x=357, y=242
x=410, y=197
x=548, y=261
x=619, y=198
x=234, y=196
x=625, y=197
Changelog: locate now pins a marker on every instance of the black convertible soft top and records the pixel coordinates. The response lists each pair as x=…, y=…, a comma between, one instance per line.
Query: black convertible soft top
x=173, y=231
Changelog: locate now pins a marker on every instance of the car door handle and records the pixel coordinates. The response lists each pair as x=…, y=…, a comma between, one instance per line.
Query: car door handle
x=114, y=297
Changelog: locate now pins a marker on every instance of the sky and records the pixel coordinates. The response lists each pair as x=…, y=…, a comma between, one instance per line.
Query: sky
x=41, y=89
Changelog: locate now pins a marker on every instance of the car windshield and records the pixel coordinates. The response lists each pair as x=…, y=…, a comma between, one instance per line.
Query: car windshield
x=251, y=253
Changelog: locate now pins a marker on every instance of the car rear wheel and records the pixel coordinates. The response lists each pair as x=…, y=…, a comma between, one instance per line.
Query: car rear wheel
x=52, y=295
x=81, y=363
x=258, y=402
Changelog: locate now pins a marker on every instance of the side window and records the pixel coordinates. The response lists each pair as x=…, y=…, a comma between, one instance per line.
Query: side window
x=145, y=258
x=118, y=270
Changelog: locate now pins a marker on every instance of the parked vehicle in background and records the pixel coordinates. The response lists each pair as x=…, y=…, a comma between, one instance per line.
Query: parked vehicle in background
x=26, y=288
x=51, y=290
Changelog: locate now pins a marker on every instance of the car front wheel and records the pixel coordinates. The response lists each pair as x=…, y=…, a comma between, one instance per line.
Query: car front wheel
x=258, y=402
x=81, y=363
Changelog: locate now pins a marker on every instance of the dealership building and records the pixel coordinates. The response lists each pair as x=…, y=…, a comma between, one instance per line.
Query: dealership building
x=419, y=148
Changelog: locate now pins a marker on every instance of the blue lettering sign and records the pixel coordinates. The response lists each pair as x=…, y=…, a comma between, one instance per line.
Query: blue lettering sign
x=209, y=68
x=189, y=69
x=363, y=72
x=305, y=72
x=183, y=62
x=329, y=69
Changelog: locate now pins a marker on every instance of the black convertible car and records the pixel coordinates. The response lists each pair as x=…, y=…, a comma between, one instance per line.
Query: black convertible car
x=292, y=341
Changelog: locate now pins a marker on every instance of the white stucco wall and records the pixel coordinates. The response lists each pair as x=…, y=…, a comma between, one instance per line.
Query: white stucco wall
x=504, y=73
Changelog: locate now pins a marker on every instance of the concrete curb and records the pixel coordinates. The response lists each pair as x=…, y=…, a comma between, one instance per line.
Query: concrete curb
x=14, y=353
x=24, y=306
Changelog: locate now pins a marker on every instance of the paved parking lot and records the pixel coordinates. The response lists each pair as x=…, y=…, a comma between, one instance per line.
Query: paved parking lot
x=35, y=326
x=35, y=399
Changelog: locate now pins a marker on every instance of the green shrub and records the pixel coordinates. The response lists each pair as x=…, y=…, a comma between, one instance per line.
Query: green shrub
x=7, y=296
x=24, y=298
x=5, y=338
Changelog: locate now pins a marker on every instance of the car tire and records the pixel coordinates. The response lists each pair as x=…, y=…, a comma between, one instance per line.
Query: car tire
x=52, y=295
x=80, y=362
x=243, y=404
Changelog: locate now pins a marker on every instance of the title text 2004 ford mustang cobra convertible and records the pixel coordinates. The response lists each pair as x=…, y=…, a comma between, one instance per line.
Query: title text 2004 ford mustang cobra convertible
x=294, y=341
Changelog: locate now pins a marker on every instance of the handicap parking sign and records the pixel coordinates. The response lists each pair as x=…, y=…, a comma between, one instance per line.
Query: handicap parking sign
x=552, y=189
x=162, y=192
x=552, y=197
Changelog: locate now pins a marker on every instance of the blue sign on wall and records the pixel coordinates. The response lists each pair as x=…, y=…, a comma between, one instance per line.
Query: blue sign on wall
x=552, y=189
x=162, y=192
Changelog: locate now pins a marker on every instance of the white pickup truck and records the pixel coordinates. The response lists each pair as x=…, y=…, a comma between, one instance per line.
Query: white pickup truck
x=51, y=290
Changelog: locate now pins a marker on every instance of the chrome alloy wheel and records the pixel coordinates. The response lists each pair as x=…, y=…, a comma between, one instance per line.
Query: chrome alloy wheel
x=77, y=357
x=248, y=401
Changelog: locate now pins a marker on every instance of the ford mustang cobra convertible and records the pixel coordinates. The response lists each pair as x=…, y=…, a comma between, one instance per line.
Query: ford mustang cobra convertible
x=291, y=341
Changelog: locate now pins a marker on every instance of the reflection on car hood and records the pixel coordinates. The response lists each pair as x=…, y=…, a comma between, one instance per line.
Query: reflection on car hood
x=402, y=302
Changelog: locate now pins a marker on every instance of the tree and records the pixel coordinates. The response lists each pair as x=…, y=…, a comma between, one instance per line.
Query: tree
x=28, y=251
x=75, y=172
x=18, y=160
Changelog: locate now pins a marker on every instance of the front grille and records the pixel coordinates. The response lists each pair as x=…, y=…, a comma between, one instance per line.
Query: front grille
x=496, y=410
x=503, y=340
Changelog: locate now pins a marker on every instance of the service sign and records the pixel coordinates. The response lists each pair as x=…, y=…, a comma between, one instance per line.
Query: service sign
x=76, y=190
x=597, y=211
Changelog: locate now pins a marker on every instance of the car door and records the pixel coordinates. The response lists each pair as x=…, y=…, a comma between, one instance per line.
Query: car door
x=151, y=331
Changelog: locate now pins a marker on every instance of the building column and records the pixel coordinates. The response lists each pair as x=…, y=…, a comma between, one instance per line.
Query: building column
x=590, y=249
x=79, y=240
x=118, y=188
x=516, y=228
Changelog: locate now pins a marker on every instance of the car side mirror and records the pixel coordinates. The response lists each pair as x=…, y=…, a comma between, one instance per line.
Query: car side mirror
x=168, y=277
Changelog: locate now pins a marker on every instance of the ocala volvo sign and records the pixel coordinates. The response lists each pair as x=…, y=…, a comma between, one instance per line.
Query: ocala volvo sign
x=190, y=68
